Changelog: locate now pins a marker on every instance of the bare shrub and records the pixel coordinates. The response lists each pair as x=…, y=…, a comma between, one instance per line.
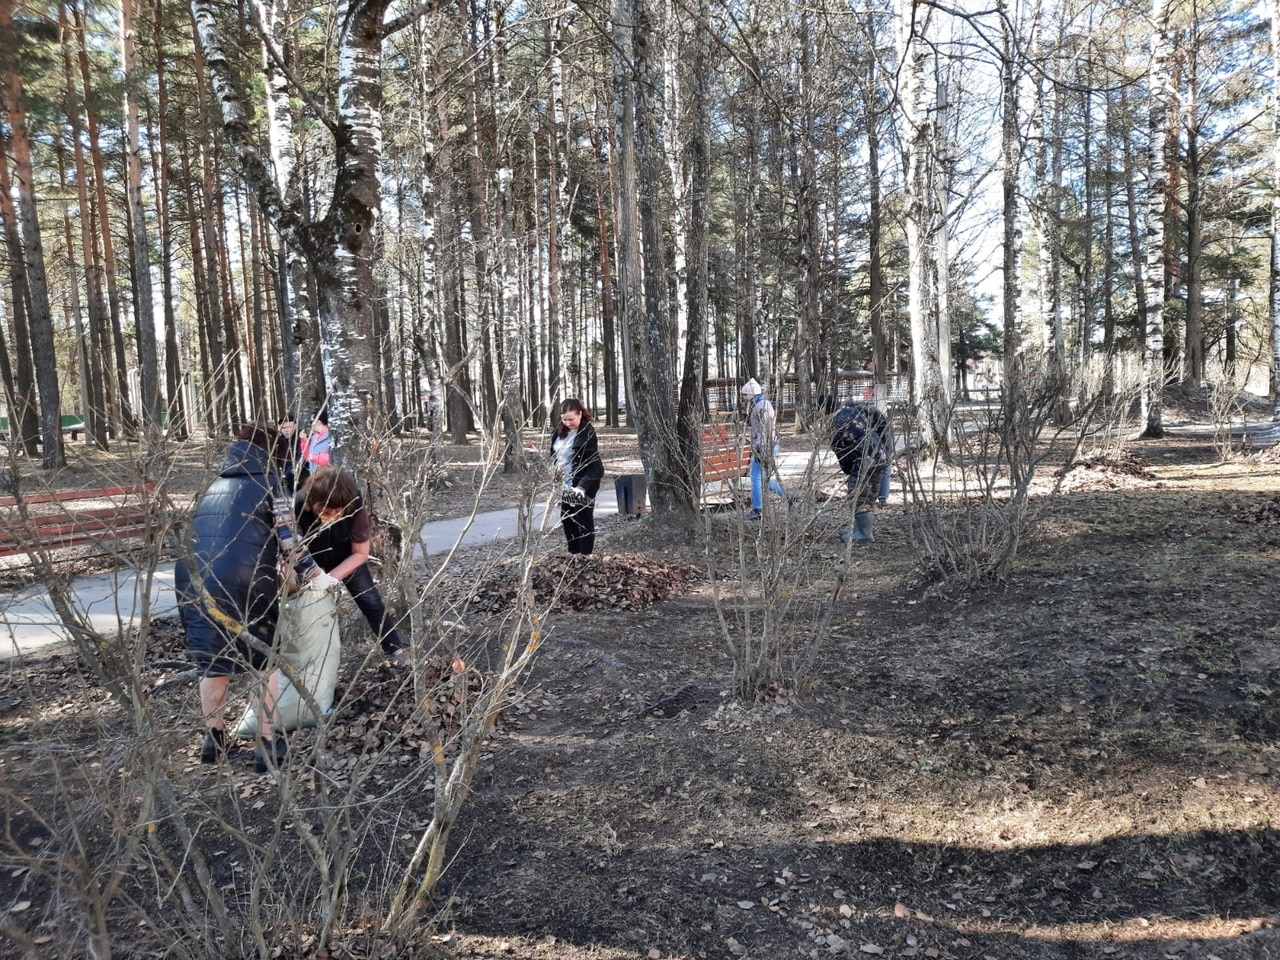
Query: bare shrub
x=773, y=597
x=1226, y=407
x=970, y=506
x=131, y=861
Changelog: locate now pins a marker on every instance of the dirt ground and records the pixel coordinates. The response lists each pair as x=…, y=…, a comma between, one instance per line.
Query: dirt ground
x=1080, y=761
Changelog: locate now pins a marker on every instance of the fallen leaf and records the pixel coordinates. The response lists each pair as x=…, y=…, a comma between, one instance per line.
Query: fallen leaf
x=1086, y=864
x=746, y=904
x=872, y=948
x=20, y=906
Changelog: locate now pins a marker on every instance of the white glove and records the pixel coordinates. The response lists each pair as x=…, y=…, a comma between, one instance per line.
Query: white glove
x=322, y=581
x=579, y=492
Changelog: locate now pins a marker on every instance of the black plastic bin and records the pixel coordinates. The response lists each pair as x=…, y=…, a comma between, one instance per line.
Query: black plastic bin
x=631, y=491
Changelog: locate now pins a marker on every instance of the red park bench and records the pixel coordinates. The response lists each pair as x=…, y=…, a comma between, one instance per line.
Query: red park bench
x=68, y=518
x=723, y=460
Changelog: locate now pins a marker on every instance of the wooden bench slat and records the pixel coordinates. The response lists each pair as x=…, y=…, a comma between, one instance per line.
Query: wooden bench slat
x=70, y=527
x=722, y=459
x=52, y=521
x=56, y=525
x=66, y=496
x=75, y=539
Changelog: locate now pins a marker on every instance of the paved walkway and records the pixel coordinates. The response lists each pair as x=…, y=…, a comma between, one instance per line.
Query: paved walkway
x=112, y=602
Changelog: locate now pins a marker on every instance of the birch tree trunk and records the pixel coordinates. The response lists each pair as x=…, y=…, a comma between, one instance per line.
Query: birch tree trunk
x=880, y=359
x=302, y=371
x=341, y=246
x=144, y=317
x=1011, y=161
x=1273, y=287
x=808, y=334
x=928, y=381
x=557, y=187
x=1158, y=93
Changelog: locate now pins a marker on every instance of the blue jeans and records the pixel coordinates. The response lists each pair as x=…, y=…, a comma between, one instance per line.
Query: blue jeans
x=757, y=482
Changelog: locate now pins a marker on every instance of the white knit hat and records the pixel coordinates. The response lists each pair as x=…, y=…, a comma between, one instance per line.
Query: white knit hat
x=751, y=388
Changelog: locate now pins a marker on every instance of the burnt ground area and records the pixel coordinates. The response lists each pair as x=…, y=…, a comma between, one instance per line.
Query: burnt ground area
x=1079, y=761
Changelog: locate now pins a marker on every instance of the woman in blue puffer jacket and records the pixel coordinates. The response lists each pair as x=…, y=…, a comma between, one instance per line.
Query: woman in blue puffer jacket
x=227, y=580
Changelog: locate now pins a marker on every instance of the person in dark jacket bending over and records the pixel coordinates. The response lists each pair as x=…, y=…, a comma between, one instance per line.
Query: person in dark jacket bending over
x=863, y=443
x=228, y=598
x=577, y=455
x=336, y=528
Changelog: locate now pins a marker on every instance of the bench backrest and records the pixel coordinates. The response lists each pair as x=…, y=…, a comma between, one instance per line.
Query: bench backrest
x=67, y=496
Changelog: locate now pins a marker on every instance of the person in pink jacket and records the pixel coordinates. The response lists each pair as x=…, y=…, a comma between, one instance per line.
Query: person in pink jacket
x=316, y=445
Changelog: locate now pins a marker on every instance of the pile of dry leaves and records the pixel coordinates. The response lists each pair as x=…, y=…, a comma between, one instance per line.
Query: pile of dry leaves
x=1124, y=471
x=620, y=581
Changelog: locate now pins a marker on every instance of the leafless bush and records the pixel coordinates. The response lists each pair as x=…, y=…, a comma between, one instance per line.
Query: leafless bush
x=130, y=860
x=773, y=597
x=970, y=507
x=1225, y=408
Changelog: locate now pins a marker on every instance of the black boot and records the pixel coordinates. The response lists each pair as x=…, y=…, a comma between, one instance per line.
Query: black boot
x=269, y=756
x=214, y=747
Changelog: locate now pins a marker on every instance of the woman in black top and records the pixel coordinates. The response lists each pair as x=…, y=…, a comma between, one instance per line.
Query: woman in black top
x=577, y=453
x=336, y=528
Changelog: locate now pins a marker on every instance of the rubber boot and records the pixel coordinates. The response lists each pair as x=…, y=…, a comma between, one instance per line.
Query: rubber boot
x=214, y=747
x=862, y=528
x=270, y=756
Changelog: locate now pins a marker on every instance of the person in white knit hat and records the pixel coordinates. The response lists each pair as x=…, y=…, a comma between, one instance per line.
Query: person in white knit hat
x=762, y=422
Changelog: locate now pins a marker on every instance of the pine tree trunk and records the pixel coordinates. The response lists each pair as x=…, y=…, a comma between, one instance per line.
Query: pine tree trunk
x=158, y=131
x=95, y=413
x=111, y=342
x=24, y=405
x=692, y=408
x=43, y=352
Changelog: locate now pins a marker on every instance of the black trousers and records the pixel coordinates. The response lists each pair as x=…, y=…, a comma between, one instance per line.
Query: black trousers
x=579, y=526
x=365, y=593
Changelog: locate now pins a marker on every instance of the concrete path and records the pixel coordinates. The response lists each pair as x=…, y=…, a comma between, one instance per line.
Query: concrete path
x=112, y=602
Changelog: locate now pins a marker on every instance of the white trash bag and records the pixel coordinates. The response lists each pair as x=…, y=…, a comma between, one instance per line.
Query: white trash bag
x=308, y=641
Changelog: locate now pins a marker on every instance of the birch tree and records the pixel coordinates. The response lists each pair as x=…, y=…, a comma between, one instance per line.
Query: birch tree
x=1273, y=285
x=929, y=383
x=340, y=244
x=143, y=308
x=1159, y=82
